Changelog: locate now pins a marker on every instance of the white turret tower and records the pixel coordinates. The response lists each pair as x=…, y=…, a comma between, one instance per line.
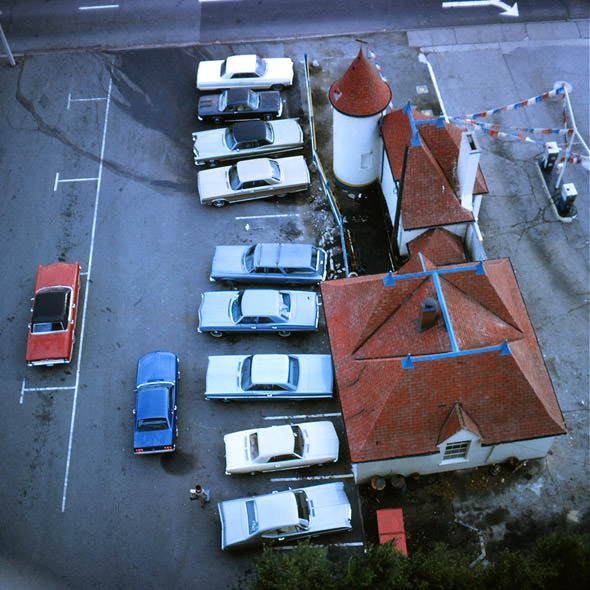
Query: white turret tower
x=359, y=99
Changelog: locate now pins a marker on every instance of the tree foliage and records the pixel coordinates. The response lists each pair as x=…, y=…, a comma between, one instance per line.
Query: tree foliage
x=559, y=561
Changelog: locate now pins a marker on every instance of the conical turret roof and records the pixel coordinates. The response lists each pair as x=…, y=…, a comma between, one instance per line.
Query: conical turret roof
x=360, y=92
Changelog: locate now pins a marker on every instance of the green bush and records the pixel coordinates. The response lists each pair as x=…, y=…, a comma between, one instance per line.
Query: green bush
x=560, y=561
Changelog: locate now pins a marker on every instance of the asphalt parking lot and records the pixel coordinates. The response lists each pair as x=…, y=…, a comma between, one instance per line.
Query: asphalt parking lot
x=114, y=188
x=98, y=168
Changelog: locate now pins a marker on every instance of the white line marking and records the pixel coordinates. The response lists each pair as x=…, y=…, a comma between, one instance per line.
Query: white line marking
x=313, y=477
x=48, y=388
x=92, y=99
x=58, y=180
x=267, y=216
x=88, y=282
x=304, y=416
x=22, y=392
x=98, y=7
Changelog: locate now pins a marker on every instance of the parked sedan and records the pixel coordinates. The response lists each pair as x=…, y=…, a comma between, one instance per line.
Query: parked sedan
x=300, y=264
x=246, y=139
x=252, y=179
x=245, y=71
x=239, y=103
x=289, y=446
x=50, y=338
x=155, y=422
x=260, y=310
x=285, y=515
x=263, y=376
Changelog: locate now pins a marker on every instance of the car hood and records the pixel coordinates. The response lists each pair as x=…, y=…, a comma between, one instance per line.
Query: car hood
x=223, y=374
x=315, y=373
x=156, y=366
x=228, y=260
x=213, y=183
x=322, y=439
x=214, y=309
x=330, y=507
x=208, y=143
x=46, y=346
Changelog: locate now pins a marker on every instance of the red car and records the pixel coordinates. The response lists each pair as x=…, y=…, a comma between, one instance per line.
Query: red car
x=50, y=340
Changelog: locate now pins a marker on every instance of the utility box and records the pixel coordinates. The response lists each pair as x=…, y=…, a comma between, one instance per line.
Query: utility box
x=390, y=525
x=565, y=203
x=550, y=156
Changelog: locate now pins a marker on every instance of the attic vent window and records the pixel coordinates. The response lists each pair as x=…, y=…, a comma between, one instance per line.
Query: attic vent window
x=457, y=451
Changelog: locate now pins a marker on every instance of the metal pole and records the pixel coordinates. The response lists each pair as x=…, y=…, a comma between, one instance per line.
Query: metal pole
x=6, y=46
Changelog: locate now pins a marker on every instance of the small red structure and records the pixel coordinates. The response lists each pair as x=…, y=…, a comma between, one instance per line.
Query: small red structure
x=390, y=525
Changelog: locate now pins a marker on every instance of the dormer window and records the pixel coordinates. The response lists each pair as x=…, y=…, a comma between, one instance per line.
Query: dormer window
x=456, y=451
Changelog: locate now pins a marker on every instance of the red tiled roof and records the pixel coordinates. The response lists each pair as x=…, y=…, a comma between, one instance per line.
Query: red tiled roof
x=457, y=420
x=430, y=185
x=428, y=199
x=392, y=412
x=360, y=92
x=440, y=245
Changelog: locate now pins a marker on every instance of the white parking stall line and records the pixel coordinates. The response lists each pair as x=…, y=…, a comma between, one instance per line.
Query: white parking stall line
x=58, y=180
x=91, y=99
x=313, y=477
x=304, y=416
x=86, y=292
x=266, y=216
x=56, y=388
x=98, y=7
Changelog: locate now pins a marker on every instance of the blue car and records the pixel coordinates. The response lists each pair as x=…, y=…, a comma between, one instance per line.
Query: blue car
x=155, y=422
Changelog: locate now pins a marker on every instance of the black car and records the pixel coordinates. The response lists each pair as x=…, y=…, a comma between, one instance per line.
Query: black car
x=240, y=103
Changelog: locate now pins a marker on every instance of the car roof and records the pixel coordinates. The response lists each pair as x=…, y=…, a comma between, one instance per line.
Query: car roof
x=249, y=130
x=152, y=402
x=283, y=255
x=270, y=368
x=257, y=169
x=276, y=440
x=238, y=95
x=260, y=302
x=241, y=63
x=50, y=306
x=277, y=511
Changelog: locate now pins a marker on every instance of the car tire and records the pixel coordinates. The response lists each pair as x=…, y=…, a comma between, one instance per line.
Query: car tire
x=218, y=203
x=284, y=333
x=216, y=333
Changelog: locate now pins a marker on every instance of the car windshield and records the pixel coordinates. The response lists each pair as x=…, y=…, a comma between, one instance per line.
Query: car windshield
x=293, y=372
x=235, y=308
x=253, y=440
x=149, y=424
x=298, y=442
x=249, y=258
x=246, y=374
x=302, y=508
x=252, y=515
x=234, y=180
x=285, y=305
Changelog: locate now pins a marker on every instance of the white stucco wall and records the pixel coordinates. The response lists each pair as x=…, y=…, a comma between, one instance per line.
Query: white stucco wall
x=356, y=149
x=478, y=455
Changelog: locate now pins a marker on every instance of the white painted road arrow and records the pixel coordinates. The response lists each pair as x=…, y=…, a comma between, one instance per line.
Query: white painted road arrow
x=507, y=9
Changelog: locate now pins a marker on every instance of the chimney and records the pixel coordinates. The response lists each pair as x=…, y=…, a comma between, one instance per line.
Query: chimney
x=467, y=169
x=428, y=314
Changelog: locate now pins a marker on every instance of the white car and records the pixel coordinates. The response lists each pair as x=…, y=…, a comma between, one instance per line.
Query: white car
x=246, y=139
x=269, y=376
x=245, y=71
x=252, y=179
x=289, y=446
x=284, y=515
